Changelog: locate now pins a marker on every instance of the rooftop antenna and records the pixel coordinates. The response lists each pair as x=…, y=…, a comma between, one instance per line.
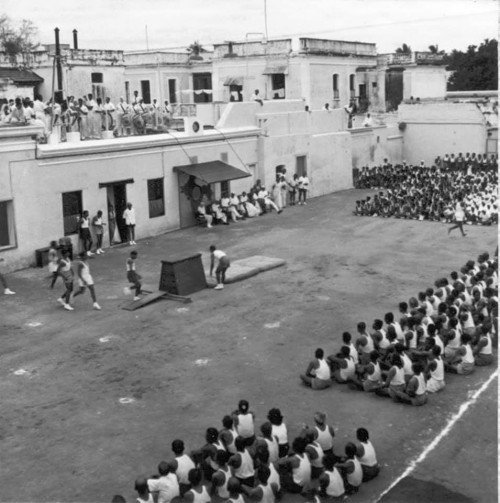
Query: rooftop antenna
x=265, y=18
x=147, y=41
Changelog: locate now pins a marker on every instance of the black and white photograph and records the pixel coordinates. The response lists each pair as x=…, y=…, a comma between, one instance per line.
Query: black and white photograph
x=249, y=251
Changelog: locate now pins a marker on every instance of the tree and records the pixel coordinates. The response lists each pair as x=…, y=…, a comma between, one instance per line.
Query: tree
x=404, y=49
x=434, y=49
x=475, y=69
x=18, y=41
x=195, y=50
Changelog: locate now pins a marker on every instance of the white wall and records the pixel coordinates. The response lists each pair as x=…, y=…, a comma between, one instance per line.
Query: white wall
x=36, y=185
x=424, y=82
x=434, y=129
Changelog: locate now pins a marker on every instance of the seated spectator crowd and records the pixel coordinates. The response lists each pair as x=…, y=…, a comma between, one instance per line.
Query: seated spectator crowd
x=423, y=193
x=450, y=327
x=237, y=461
x=258, y=201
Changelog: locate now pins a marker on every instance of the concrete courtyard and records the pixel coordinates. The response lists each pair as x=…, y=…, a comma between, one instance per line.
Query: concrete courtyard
x=66, y=435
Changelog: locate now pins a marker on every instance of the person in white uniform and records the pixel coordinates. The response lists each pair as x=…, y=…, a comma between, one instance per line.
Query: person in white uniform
x=459, y=218
x=143, y=493
x=435, y=370
x=279, y=430
x=181, y=465
x=330, y=481
x=266, y=491
x=351, y=470
x=244, y=422
x=166, y=487
x=366, y=455
x=198, y=492
x=296, y=468
x=85, y=280
x=318, y=374
x=416, y=390
x=345, y=368
x=242, y=464
x=129, y=217
x=463, y=363
x=483, y=351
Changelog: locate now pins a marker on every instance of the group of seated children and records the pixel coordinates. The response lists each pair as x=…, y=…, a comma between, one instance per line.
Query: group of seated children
x=423, y=193
x=451, y=327
x=237, y=462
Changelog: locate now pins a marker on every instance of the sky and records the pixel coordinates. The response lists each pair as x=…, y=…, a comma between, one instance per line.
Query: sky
x=123, y=24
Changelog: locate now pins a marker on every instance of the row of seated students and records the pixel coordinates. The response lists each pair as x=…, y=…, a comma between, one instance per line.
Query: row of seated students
x=451, y=327
x=237, y=465
x=432, y=194
x=231, y=208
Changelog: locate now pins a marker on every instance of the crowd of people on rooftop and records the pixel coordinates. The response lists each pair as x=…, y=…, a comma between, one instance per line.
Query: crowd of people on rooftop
x=89, y=116
x=433, y=192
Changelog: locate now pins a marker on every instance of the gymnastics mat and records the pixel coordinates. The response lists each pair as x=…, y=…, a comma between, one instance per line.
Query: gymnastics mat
x=246, y=268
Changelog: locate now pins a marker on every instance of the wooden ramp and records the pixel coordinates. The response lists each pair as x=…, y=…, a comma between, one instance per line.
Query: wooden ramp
x=152, y=297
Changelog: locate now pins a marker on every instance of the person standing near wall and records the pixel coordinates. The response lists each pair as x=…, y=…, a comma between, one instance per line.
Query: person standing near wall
x=303, y=185
x=98, y=226
x=85, y=235
x=129, y=217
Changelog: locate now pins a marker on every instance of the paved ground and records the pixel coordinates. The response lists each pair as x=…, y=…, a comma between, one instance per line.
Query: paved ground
x=65, y=436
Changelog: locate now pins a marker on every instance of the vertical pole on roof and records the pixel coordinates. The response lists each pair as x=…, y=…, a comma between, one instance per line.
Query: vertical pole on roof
x=53, y=93
x=265, y=17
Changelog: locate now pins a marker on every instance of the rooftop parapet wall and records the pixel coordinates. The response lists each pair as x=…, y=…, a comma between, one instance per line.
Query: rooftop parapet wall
x=158, y=58
x=89, y=57
x=413, y=58
x=441, y=113
x=337, y=47
x=253, y=48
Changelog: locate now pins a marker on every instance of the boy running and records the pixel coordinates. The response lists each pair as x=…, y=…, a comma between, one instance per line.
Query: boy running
x=85, y=279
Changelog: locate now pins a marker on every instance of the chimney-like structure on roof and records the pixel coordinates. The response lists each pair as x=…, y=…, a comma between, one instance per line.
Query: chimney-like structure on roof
x=58, y=67
x=75, y=39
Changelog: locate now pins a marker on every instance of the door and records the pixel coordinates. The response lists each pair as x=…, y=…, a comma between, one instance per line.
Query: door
x=146, y=91
x=301, y=165
x=393, y=89
x=120, y=198
x=172, y=96
x=191, y=191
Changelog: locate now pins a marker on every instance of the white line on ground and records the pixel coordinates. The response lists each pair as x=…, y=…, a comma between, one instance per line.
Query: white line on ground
x=441, y=435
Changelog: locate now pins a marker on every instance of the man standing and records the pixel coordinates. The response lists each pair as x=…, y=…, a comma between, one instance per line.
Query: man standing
x=122, y=111
x=109, y=110
x=459, y=219
x=222, y=266
x=129, y=217
x=303, y=186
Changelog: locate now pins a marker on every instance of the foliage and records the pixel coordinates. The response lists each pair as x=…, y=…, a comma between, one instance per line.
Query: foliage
x=195, y=49
x=17, y=40
x=434, y=49
x=404, y=49
x=475, y=69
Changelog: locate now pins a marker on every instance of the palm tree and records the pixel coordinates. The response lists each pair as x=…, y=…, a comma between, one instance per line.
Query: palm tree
x=404, y=49
x=194, y=50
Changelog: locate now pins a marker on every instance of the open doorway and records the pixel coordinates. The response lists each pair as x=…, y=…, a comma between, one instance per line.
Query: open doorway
x=117, y=202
